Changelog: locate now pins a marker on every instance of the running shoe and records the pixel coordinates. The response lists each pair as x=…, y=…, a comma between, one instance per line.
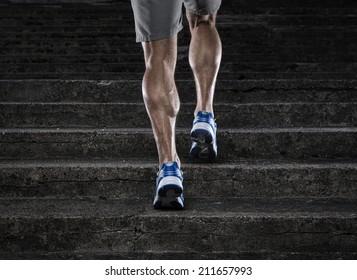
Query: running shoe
x=203, y=135
x=169, y=189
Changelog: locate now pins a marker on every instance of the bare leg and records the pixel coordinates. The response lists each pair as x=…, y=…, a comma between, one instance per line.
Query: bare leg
x=205, y=57
x=160, y=94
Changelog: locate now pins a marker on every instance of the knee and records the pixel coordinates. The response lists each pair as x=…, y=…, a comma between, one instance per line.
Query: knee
x=158, y=63
x=161, y=55
x=159, y=74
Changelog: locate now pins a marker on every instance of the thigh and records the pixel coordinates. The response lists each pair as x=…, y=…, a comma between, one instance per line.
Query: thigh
x=156, y=19
x=202, y=7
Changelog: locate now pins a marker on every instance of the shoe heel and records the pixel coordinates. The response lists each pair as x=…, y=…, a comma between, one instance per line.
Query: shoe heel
x=201, y=136
x=170, y=187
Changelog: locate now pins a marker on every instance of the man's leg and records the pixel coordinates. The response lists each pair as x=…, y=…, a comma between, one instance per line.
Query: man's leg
x=162, y=104
x=160, y=94
x=157, y=23
x=205, y=58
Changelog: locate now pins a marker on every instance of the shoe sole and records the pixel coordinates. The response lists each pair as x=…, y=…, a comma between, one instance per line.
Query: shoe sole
x=169, y=194
x=204, y=148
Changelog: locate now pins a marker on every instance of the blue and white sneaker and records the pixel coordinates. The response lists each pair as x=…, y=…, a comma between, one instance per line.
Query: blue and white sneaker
x=203, y=135
x=169, y=189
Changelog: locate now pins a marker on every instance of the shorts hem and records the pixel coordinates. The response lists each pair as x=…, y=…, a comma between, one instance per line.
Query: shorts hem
x=158, y=36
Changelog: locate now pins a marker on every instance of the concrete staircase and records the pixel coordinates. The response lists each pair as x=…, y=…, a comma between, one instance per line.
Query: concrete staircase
x=78, y=159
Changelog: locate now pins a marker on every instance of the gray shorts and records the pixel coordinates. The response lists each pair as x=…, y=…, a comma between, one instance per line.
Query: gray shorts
x=160, y=19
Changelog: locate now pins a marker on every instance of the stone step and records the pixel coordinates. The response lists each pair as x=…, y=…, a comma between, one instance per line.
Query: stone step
x=227, y=91
x=226, y=30
x=183, y=56
x=139, y=143
x=230, y=47
x=115, y=12
x=116, y=50
x=259, y=5
x=102, y=55
x=102, y=40
x=121, y=19
x=282, y=16
x=287, y=11
x=227, y=67
x=106, y=4
x=136, y=178
x=182, y=75
x=290, y=53
x=130, y=115
x=249, y=255
x=99, y=255
x=115, y=6
x=226, y=226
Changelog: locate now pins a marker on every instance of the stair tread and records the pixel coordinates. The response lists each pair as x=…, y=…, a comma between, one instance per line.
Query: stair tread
x=218, y=103
x=230, y=115
x=125, y=33
x=179, y=130
x=269, y=83
x=295, y=142
x=178, y=255
x=136, y=178
x=151, y=163
x=223, y=208
x=185, y=75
